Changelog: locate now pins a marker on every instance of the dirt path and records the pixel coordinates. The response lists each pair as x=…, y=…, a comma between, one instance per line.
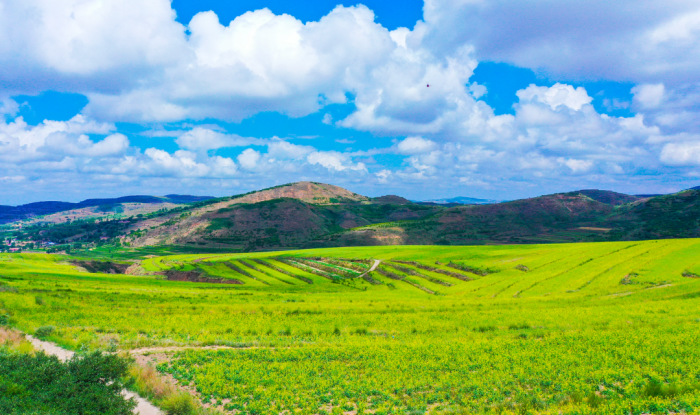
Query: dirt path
x=374, y=266
x=145, y=350
x=143, y=407
x=51, y=349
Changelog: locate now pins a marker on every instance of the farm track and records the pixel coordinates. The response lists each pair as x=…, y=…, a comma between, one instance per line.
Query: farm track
x=351, y=271
x=610, y=269
x=235, y=268
x=254, y=268
x=320, y=273
x=559, y=274
x=168, y=349
x=143, y=407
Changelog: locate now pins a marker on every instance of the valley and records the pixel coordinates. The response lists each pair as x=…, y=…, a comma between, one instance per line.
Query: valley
x=559, y=328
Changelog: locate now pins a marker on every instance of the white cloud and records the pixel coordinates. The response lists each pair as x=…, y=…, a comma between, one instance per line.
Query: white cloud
x=285, y=150
x=54, y=44
x=53, y=139
x=383, y=176
x=653, y=41
x=259, y=62
x=649, y=96
x=136, y=63
x=181, y=163
x=249, y=158
x=681, y=154
x=577, y=166
x=8, y=106
x=556, y=96
x=61, y=143
x=415, y=145
x=200, y=138
x=334, y=161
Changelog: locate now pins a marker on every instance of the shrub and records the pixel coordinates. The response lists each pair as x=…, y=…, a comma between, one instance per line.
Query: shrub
x=179, y=404
x=43, y=332
x=88, y=385
x=39, y=300
x=484, y=329
x=4, y=320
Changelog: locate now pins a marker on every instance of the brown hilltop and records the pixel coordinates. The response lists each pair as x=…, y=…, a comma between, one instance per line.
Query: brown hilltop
x=309, y=192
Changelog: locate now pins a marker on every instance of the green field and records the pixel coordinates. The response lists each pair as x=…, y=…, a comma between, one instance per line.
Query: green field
x=572, y=328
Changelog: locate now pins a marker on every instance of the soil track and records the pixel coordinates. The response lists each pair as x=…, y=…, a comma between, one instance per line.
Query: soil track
x=143, y=407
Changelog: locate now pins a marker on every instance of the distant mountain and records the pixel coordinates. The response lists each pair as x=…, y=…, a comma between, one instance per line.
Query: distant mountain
x=607, y=196
x=307, y=215
x=283, y=216
x=567, y=217
x=461, y=201
x=391, y=199
x=15, y=213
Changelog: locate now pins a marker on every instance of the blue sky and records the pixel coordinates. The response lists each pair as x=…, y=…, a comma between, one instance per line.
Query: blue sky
x=215, y=98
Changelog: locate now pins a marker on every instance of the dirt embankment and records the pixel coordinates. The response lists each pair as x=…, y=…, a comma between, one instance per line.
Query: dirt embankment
x=102, y=267
x=196, y=276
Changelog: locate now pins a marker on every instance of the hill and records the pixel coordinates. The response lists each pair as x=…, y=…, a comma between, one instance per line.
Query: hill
x=269, y=224
x=10, y=214
x=311, y=215
x=309, y=192
x=570, y=217
x=461, y=201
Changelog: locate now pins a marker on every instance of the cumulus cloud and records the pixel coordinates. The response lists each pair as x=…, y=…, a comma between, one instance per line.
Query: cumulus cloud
x=335, y=161
x=285, y=150
x=200, y=138
x=87, y=45
x=61, y=143
x=681, y=154
x=415, y=145
x=556, y=95
x=649, y=96
x=136, y=63
x=643, y=41
x=50, y=140
x=258, y=62
x=249, y=158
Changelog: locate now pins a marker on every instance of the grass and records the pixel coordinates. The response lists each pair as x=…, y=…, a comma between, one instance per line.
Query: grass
x=564, y=336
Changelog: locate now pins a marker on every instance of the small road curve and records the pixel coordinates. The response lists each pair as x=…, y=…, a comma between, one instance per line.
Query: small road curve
x=374, y=266
x=143, y=407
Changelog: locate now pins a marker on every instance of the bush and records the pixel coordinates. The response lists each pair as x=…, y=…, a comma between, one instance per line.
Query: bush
x=179, y=404
x=39, y=384
x=4, y=320
x=43, y=332
x=484, y=329
x=39, y=300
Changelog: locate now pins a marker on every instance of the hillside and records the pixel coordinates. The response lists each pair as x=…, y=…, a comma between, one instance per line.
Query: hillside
x=571, y=217
x=309, y=192
x=270, y=224
x=310, y=215
x=10, y=214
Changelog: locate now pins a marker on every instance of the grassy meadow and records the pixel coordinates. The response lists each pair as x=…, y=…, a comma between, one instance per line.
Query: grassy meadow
x=573, y=328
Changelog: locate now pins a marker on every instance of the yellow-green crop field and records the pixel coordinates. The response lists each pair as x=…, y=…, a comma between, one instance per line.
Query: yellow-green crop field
x=574, y=329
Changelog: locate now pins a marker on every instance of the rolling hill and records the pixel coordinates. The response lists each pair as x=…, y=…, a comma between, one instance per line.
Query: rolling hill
x=312, y=215
x=10, y=214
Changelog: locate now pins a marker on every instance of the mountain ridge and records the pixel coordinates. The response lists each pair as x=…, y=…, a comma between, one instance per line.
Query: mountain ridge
x=310, y=215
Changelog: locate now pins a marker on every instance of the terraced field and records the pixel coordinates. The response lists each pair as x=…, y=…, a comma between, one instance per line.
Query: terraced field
x=572, y=328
